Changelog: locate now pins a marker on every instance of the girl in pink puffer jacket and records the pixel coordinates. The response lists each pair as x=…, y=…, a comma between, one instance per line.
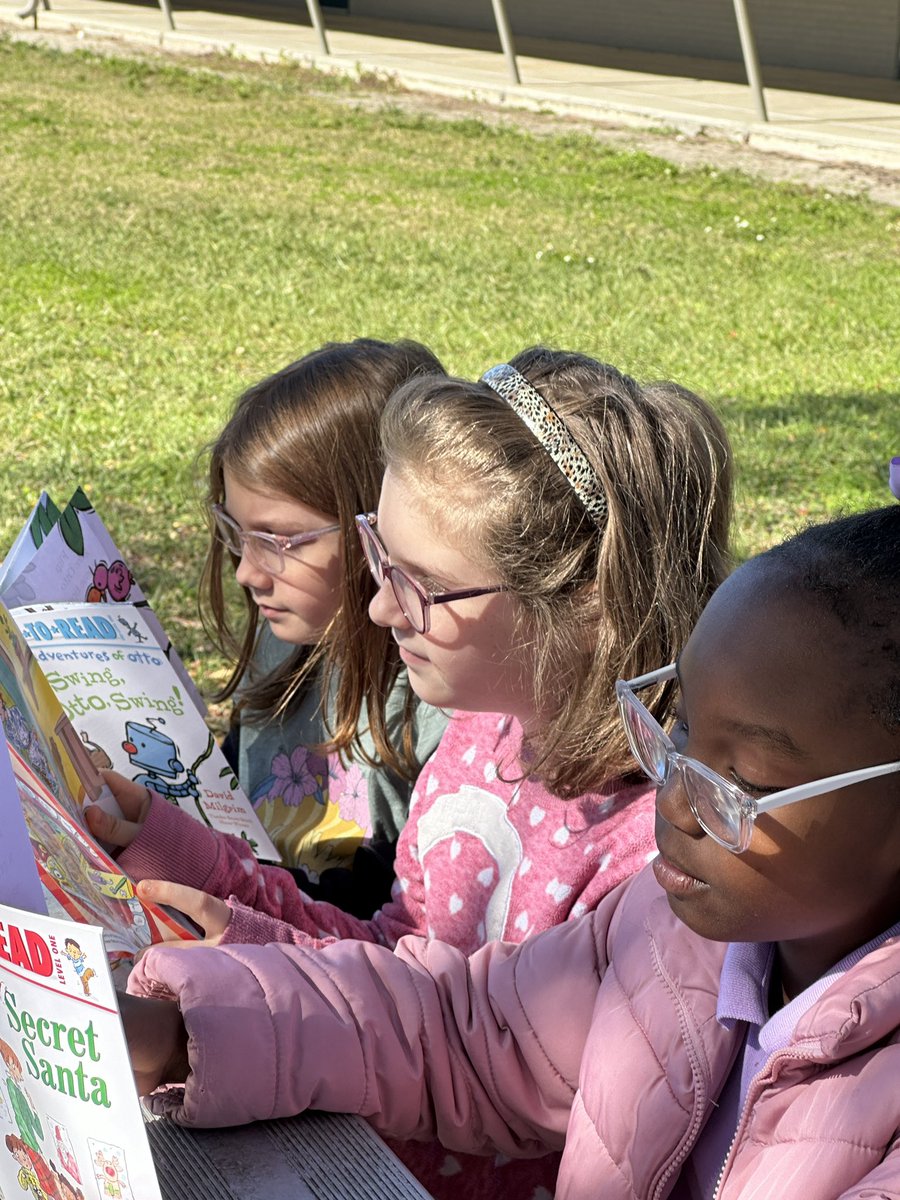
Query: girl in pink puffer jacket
x=726, y=1024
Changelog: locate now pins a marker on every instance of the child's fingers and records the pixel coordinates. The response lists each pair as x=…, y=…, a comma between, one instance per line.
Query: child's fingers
x=133, y=798
x=209, y=912
x=113, y=830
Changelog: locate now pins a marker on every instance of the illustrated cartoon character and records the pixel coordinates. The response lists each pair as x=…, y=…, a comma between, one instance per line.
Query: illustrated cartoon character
x=132, y=631
x=66, y=1189
x=64, y=1152
x=27, y=1178
x=110, y=1173
x=148, y=747
x=78, y=958
x=28, y=1122
x=97, y=754
x=113, y=582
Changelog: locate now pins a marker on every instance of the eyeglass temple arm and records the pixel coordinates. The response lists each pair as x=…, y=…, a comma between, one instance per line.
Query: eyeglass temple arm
x=657, y=676
x=446, y=597
x=806, y=790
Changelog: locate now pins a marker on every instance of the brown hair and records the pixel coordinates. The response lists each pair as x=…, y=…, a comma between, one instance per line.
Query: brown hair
x=310, y=433
x=596, y=604
x=9, y=1055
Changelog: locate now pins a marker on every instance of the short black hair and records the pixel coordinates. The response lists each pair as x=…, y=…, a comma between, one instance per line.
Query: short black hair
x=852, y=567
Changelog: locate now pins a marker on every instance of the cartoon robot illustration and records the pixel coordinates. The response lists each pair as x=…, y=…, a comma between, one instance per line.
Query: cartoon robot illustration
x=132, y=631
x=109, y=581
x=148, y=747
x=78, y=959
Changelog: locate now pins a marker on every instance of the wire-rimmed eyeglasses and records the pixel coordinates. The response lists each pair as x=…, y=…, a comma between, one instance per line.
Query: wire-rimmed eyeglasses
x=265, y=550
x=414, y=599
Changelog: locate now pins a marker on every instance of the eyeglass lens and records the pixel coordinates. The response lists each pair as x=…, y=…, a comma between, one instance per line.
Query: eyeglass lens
x=265, y=554
x=405, y=592
x=719, y=812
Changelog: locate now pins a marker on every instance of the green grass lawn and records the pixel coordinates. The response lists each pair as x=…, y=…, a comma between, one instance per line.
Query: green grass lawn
x=169, y=235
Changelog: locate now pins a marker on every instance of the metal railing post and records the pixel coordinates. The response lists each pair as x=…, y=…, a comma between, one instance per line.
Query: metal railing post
x=751, y=59
x=506, y=39
x=167, y=13
x=318, y=24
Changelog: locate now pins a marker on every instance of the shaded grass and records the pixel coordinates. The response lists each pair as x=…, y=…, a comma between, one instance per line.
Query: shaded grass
x=170, y=234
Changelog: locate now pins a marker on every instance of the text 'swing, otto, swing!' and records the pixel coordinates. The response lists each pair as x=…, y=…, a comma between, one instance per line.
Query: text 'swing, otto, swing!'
x=129, y=709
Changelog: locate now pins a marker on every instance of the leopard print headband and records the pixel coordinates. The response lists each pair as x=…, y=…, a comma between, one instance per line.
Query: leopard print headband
x=550, y=430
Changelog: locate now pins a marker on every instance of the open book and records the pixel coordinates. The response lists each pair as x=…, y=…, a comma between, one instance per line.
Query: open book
x=115, y=671
x=48, y=776
x=71, y=555
x=127, y=705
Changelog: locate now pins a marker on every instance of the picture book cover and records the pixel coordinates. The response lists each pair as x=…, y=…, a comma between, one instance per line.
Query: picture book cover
x=47, y=777
x=129, y=710
x=72, y=557
x=41, y=520
x=71, y=1126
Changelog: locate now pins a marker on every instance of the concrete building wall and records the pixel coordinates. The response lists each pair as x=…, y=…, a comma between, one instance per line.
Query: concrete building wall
x=856, y=37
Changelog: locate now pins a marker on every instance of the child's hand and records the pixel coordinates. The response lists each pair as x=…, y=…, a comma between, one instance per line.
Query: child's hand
x=134, y=801
x=157, y=1041
x=209, y=912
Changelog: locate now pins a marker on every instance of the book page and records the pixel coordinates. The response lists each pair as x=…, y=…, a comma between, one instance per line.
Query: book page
x=40, y=521
x=78, y=561
x=47, y=775
x=129, y=709
x=70, y=1119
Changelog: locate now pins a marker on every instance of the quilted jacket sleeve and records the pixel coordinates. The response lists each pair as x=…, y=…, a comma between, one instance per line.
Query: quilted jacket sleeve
x=424, y=1042
x=174, y=846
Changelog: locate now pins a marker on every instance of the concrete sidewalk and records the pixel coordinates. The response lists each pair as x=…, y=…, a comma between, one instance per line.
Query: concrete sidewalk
x=833, y=124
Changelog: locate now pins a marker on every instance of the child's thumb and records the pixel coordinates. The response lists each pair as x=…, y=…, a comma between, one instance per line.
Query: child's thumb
x=107, y=828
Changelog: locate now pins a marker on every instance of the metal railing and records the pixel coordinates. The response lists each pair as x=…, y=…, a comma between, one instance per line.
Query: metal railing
x=507, y=42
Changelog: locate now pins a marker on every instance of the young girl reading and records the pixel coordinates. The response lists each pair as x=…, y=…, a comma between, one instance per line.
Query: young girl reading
x=527, y=555
x=329, y=736
x=726, y=1023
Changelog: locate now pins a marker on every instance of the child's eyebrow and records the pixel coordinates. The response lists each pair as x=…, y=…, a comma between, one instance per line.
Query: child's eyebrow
x=777, y=738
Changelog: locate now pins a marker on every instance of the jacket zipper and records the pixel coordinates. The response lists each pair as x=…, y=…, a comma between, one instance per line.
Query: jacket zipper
x=754, y=1091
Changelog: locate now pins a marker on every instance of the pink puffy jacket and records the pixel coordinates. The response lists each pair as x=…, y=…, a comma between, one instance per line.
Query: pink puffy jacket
x=598, y=1035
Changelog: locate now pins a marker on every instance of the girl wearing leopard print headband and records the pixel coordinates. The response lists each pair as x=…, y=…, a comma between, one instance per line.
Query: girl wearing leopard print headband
x=540, y=534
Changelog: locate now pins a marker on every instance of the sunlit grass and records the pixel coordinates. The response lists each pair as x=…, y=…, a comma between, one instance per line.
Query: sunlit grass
x=169, y=234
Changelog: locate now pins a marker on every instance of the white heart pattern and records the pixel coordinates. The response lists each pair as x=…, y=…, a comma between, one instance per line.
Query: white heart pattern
x=469, y=756
x=558, y=890
x=455, y=904
x=536, y=815
x=486, y=877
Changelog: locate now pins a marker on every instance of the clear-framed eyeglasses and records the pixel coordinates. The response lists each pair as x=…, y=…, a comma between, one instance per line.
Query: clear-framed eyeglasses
x=265, y=550
x=414, y=599
x=723, y=810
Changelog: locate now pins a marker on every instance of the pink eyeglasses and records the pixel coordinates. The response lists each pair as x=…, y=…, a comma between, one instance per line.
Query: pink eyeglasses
x=415, y=601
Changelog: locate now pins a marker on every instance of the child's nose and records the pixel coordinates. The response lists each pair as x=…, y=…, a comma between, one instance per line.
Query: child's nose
x=384, y=609
x=673, y=805
x=249, y=575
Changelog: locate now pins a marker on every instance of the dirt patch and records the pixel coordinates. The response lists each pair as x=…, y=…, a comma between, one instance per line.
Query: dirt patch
x=710, y=148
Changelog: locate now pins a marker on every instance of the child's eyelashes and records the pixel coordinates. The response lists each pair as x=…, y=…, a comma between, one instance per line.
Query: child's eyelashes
x=752, y=789
x=679, y=734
